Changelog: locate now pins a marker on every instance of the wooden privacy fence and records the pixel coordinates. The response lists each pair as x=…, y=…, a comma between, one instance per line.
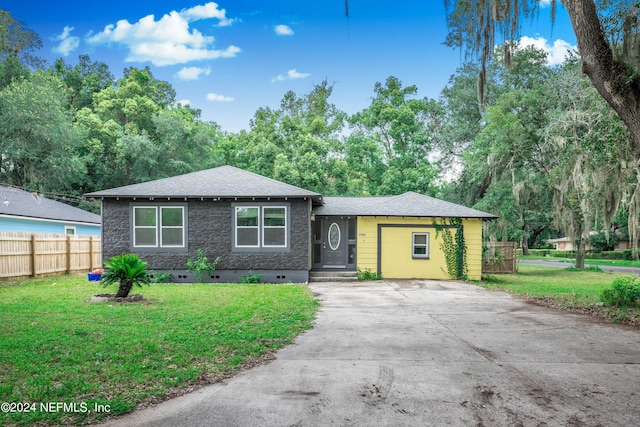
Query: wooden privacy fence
x=499, y=258
x=29, y=254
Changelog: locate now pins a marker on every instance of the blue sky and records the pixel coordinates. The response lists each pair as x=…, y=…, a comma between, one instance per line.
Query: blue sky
x=232, y=57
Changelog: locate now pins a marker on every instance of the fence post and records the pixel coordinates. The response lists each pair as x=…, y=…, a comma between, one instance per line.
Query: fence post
x=68, y=268
x=90, y=252
x=33, y=255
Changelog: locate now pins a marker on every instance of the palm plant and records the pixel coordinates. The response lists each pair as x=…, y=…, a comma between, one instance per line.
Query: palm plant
x=127, y=270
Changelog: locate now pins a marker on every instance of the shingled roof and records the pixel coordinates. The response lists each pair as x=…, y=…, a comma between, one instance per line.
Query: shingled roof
x=16, y=202
x=407, y=204
x=220, y=182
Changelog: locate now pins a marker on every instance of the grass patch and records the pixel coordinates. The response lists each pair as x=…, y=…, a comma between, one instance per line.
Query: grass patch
x=614, y=262
x=56, y=347
x=578, y=290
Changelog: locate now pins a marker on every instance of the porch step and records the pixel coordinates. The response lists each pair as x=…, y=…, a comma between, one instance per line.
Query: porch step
x=333, y=276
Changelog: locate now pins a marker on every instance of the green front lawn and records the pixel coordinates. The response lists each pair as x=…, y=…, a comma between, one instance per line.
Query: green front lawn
x=57, y=347
x=577, y=290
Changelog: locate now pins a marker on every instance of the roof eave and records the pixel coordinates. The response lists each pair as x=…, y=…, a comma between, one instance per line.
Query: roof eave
x=315, y=197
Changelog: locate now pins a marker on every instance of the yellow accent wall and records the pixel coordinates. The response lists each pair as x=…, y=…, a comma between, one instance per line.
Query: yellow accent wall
x=396, y=247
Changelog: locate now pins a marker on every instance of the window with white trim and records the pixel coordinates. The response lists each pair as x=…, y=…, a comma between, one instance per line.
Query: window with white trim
x=69, y=229
x=420, y=245
x=274, y=227
x=261, y=227
x=247, y=226
x=158, y=227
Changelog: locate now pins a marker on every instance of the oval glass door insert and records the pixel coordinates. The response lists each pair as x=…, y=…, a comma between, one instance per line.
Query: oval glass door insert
x=334, y=236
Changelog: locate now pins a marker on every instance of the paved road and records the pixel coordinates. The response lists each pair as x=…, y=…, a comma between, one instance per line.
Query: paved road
x=427, y=353
x=630, y=270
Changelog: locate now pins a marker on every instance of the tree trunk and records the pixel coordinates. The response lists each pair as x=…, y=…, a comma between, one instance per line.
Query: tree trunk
x=534, y=235
x=583, y=240
x=609, y=76
x=580, y=252
x=525, y=245
x=124, y=289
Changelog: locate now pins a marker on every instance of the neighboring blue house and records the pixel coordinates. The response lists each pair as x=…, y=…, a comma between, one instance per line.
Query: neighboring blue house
x=27, y=212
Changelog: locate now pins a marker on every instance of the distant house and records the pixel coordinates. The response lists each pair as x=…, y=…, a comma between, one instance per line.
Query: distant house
x=566, y=244
x=27, y=212
x=562, y=243
x=258, y=225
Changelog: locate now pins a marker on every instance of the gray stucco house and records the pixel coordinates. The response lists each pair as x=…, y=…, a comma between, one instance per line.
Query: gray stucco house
x=258, y=225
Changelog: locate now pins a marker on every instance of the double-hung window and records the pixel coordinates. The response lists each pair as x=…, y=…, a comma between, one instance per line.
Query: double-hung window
x=261, y=227
x=420, y=245
x=247, y=227
x=158, y=227
x=274, y=226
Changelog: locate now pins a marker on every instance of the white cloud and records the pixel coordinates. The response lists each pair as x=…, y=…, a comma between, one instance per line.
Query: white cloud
x=556, y=53
x=292, y=74
x=192, y=73
x=206, y=11
x=283, y=30
x=184, y=102
x=68, y=43
x=218, y=98
x=169, y=40
x=544, y=3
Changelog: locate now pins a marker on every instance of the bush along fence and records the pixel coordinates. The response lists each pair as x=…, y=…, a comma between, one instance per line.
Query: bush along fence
x=37, y=255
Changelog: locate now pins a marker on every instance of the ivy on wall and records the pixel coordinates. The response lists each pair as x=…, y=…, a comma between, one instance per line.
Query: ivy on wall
x=454, y=247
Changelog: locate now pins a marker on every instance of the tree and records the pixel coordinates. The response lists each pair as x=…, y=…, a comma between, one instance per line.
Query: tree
x=19, y=41
x=131, y=126
x=126, y=270
x=612, y=68
x=299, y=143
x=404, y=130
x=38, y=142
x=595, y=162
x=84, y=80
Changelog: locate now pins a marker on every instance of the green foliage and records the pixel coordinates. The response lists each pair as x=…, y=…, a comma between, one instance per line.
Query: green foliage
x=156, y=277
x=18, y=41
x=38, y=141
x=251, y=278
x=126, y=270
x=623, y=292
x=593, y=268
x=454, y=247
x=84, y=80
x=626, y=254
x=367, y=275
x=393, y=139
x=599, y=241
x=201, y=265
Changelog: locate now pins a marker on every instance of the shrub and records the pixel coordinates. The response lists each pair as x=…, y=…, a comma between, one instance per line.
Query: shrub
x=599, y=242
x=626, y=254
x=127, y=270
x=365, y=275
x=159, y=277
x=201, y=265
x=624, y=291
x=251, y=278
x=593, y=268
x=537, y=252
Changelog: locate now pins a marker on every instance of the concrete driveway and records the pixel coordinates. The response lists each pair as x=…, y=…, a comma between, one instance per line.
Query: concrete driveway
x=427, y=353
